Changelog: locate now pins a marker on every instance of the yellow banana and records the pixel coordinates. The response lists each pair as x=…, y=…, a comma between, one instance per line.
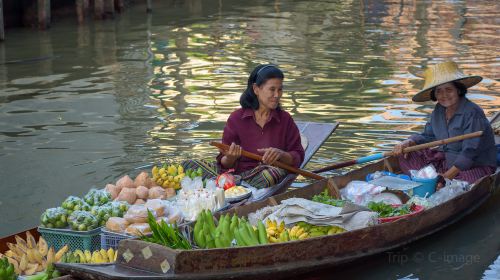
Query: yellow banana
x=51, y=255
x=104, y=255
x=61, y=252
x=111, y=255
x=88, y=256
x=43, y=247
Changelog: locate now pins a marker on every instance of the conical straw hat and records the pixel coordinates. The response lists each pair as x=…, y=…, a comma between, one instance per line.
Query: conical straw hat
x=443, y=73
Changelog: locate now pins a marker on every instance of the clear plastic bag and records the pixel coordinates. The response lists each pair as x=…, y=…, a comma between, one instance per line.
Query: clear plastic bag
x=54, y=218
x=73, y=203
x=97, y=197
x=450, y=190
x=138, y=214
x=360, y=192
x=118, y=208
x=427, y=172
x=82, y=221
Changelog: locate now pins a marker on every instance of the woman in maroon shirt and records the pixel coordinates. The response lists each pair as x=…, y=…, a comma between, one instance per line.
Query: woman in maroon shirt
x=260, y=126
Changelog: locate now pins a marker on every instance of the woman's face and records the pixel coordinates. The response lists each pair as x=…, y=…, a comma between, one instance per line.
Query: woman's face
x=447, y=95
x=269, y=93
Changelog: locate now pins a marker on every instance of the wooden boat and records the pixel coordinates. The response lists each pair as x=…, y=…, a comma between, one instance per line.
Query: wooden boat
x=141, y=260
x=313, y=136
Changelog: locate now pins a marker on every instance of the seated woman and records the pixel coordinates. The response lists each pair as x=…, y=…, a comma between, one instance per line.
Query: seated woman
x=260, y=126
x=454, y=115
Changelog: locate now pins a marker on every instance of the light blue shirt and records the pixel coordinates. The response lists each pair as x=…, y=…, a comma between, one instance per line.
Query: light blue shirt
x=465, y=154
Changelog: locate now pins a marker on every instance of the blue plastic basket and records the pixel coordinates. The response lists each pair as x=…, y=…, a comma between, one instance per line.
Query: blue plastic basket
x=83, y=240
x=427, y=187
x=111, y=239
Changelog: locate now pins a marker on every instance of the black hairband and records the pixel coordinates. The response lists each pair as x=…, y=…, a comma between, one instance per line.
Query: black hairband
x=264, y=67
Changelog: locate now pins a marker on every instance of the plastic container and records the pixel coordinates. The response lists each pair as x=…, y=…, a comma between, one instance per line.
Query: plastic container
x=426, y=189
x=378, y=174
x=415, y=209
x=111, y=239
x=83, y=240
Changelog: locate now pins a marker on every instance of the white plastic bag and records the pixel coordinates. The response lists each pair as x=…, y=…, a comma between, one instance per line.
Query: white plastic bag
x=428, y=172
x=449, y=191
x=360, y=192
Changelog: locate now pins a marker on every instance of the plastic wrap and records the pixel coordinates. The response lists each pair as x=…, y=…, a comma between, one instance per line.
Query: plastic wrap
x=97, y=197
x=73, y=203
x=138, y=229
x=54, y=218
x=360, y=192
x=138, y=214
x=82, y=221
x=117, y=224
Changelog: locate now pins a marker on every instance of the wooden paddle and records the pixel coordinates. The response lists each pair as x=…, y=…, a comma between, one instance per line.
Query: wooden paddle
x=276, y=163
x=406, y=150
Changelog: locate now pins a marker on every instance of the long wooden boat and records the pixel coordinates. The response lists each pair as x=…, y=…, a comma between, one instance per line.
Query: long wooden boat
x=313, y=136
x=141, y=260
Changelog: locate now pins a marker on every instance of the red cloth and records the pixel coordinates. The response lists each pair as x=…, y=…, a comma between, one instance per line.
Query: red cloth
x=280, y=131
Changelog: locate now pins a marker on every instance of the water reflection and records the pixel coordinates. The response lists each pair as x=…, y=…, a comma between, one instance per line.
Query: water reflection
x=119, y=95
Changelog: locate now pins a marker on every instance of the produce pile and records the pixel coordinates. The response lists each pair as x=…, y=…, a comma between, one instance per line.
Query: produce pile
x=29, y=257
x=325, y=198
x=170, y=176
x=98, y=256
x=235, y=231
x=139, y=190
x=84, y=214
x=165, y=234
x=386, y=210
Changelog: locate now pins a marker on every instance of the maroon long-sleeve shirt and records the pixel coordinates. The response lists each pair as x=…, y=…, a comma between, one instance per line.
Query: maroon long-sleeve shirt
x=280, y=131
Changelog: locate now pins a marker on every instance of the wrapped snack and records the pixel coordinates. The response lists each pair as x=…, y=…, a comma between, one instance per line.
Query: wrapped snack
x=156, y=192
x=125, y=182
x=82, y=221
x=54, y=218
x=138, y=229
x=117, y=224
x=142, y=192
x=128, y=195
x=113, y=190
x=138, y=214
x=157, y=206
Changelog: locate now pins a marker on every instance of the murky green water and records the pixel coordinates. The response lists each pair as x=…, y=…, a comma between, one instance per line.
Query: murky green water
x=109, y=97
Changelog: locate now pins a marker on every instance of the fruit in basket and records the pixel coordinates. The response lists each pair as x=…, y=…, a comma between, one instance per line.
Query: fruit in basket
x=97, y=197
x=82, y=221
x=54, y=218
x=73, y=203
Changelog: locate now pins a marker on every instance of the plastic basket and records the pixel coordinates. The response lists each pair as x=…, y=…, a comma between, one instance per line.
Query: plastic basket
x=415, y=209
x=111, y=239
x=83, y=240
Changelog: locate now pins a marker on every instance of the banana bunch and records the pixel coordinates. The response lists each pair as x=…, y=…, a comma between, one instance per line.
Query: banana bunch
x=276, y=233
x=98, y=256
x=168, y=176
x=298, y=233
x=28, y=256
x=314, y=231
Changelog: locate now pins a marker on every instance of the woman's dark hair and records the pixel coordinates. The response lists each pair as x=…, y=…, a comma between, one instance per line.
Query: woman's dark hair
x=462, y=90
x=259, y=76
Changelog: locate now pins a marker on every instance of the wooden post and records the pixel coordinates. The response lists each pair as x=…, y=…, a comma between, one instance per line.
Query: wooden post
x=119, y=5
x=81, y=9
x=2, y=31
x=109, y=7
x=43, y=8
x=98, y=9
x=149, y=8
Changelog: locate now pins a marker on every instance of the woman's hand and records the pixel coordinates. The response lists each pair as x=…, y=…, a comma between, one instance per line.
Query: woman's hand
x=271, y=155
x=398, y=149
x=231, y=155
x=450, y=175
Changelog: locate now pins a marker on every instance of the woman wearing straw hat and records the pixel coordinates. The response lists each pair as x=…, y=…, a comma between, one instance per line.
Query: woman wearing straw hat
x=454, y=115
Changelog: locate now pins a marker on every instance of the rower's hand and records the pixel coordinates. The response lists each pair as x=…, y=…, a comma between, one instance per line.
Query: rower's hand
x=271, y=155
x=233, y=153
x=398, y=149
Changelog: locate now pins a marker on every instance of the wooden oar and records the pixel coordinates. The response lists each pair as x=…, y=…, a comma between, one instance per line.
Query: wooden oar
x=276, y=163
x=406, y=150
